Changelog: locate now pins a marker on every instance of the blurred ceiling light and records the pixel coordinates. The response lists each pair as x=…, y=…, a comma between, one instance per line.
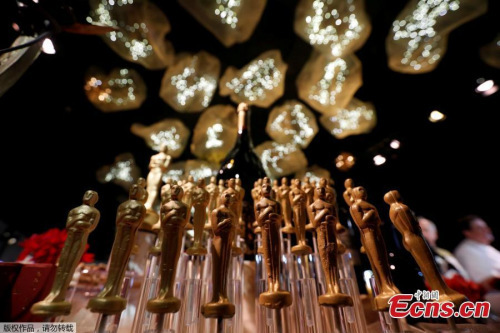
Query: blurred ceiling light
x=48, y=46
x=395, y=144
x=436, y=116
x=379, y=159
x=486, y=88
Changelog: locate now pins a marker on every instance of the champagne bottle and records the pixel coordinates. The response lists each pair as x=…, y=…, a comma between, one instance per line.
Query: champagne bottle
x=243, y=163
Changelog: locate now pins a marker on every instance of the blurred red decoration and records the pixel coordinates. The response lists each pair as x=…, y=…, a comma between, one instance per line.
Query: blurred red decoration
x=46, y=247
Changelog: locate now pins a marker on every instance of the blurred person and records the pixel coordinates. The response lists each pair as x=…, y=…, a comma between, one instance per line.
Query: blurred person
x=447, y=263
x=479, y=258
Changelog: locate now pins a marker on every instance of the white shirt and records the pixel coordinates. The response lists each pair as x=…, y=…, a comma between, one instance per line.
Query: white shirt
x=480, y=260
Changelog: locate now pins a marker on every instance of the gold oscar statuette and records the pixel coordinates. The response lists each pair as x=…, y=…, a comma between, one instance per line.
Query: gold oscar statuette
x=324, y=221
x=173, y=221
x=366, y=217
x=81, y=221
x=407, y=224
x=269, y=218
x=213, y=192
x=129, y=217
x=299, y=200
x=200, y=201
x=223, y=226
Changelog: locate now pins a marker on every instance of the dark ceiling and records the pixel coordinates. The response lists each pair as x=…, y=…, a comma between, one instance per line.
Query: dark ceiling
x=53, y=140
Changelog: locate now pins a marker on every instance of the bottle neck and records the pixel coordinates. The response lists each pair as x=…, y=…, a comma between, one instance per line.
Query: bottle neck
x=244, y=137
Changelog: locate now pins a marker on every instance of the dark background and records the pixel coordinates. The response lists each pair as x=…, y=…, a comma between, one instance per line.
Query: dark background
x=53, y=140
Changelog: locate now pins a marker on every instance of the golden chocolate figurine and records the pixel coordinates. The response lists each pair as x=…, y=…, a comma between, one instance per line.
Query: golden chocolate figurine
x=234, y=205
x=268, y=212
x=241, y=196
x=284, y=199
x=349, y=184
x=129, y=217
x=366, y=217
x=157, y=166
x=255, y=197
x=324, y=220
x=299, y=200
x=276, y=187
x=165, y=190
x=405, y=221
x=309, y=191
x=81, y=221
x=200, y=202
x=213, y=192
x=173, y=221
x=188, y=187
x=222, y=219
x=221, y=186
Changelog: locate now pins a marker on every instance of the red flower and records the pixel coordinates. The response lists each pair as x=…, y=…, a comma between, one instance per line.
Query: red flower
x=46, y=247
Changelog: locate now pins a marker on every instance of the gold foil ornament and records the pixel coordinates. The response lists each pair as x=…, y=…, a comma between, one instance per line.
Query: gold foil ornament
x=197, y=168
x=313, y=173
x=280, y=160
x=81, y=221
x=170, y=132
x=141, y=29
x=490, y=53
x=215, y=133
x=356, y=118
x=292, y=122
x=231, y=21
x=122, y=172
x=259, y=83
x=333, y=27
x=326, y=84
x=189, y=84
x=122, y=89
x=419, y=36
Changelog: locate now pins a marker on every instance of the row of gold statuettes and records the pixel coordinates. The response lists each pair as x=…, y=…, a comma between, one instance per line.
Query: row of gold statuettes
x=313, y=208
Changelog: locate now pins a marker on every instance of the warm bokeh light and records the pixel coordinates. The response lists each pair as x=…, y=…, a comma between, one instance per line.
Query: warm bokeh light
x=379, y=159
x=122, y=89
x=436, y=116
x=395, y=144
x=48, y=46
x=486, y=88
x=345, y=161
